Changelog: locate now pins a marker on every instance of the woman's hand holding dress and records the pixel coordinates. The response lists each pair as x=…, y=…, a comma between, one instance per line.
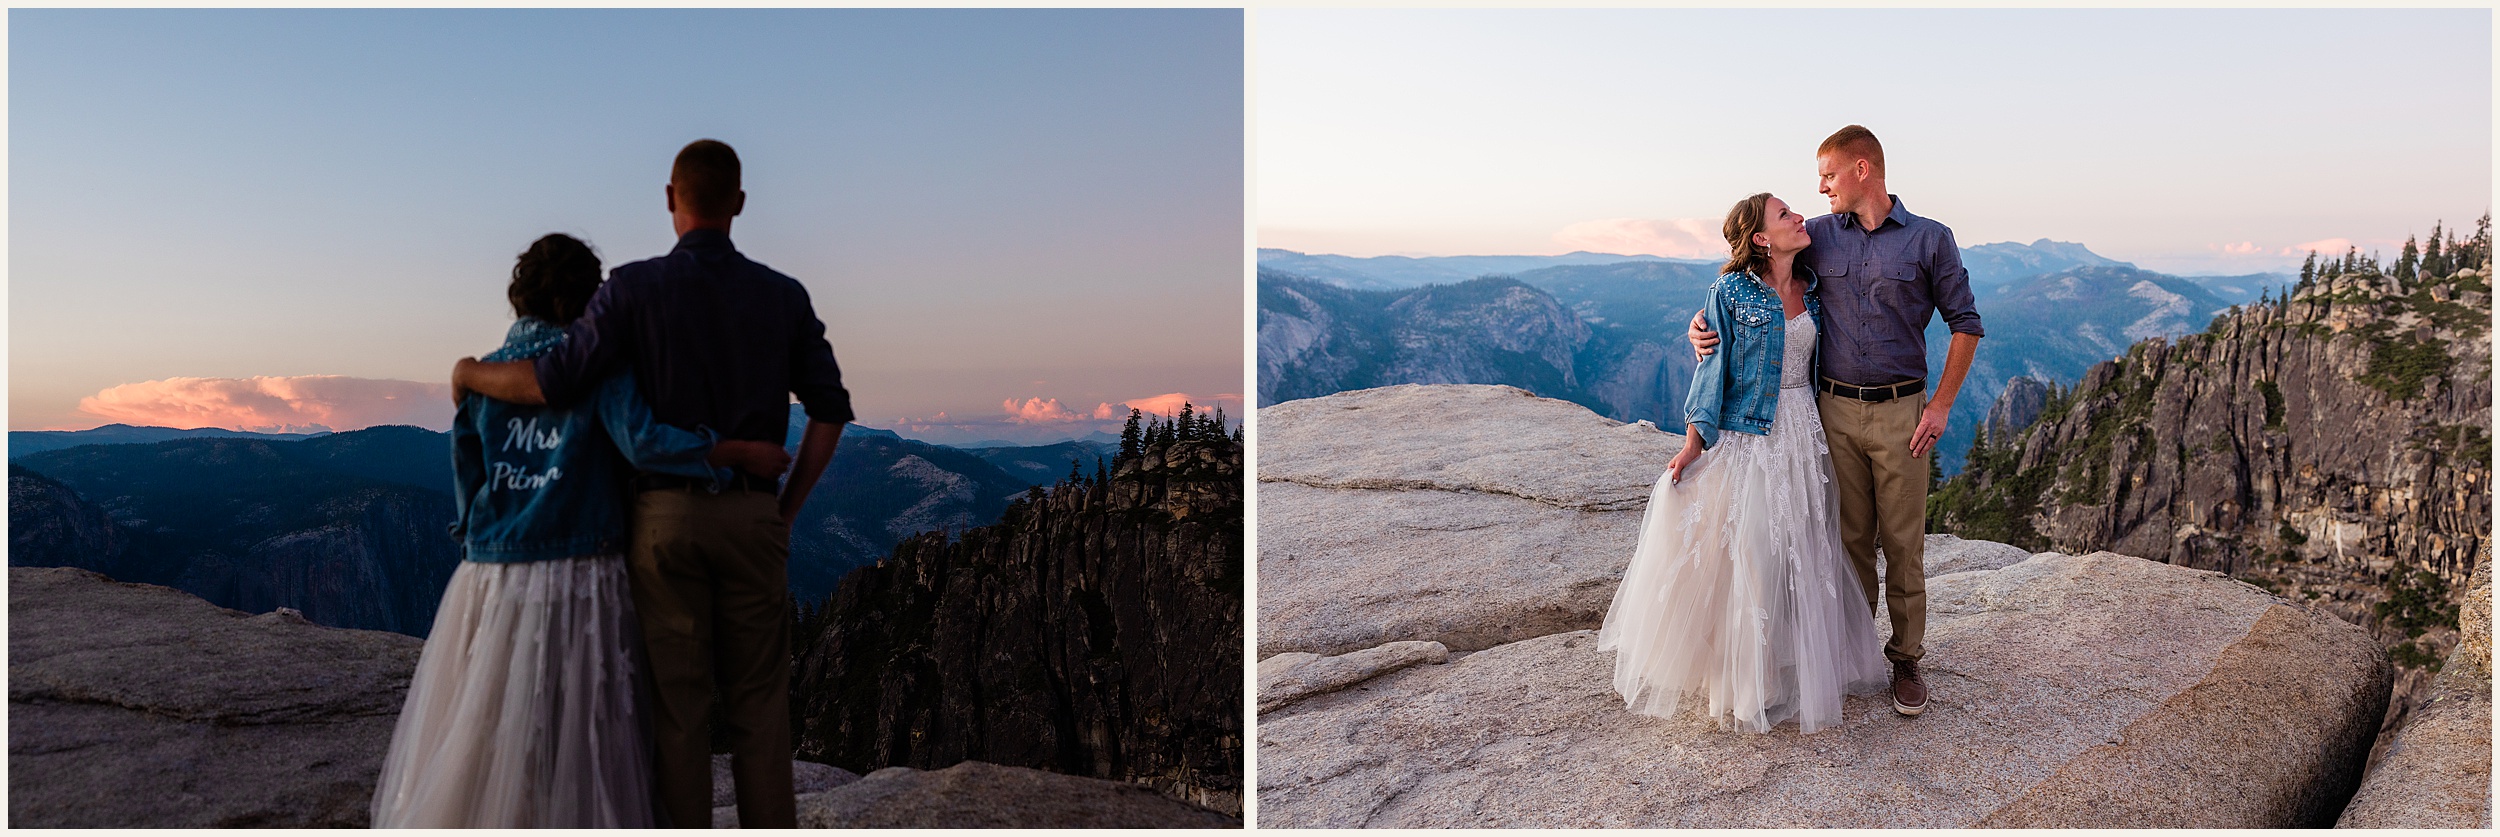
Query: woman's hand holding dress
x=1685, y=458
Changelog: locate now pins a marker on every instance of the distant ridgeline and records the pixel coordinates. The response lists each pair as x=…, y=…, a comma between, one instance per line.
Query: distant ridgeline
x=1607, y=332
x=2332, y=445
x=1095, y=630
x=352, y=528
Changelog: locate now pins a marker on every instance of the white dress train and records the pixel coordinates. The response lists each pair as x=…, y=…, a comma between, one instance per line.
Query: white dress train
x=1739, y=593
x=522, y=710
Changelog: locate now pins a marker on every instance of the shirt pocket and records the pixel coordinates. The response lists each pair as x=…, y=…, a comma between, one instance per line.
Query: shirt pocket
x=1753, y=316
x=1901, y=287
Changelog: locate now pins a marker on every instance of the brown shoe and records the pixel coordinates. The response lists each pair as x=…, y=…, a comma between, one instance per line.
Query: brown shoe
x=1909, y=693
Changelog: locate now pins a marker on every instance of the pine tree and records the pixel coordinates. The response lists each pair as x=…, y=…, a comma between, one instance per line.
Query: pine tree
x=1217, y=423
x=2434, y=260
x=2308, y=269
x=2406, y=260
x=1132, y=438
x=1102, y=472
x=1187, y=427
x=2481, y=241
x=1074, y=476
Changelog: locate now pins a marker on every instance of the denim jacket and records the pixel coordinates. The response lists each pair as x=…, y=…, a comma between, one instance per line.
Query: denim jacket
x=538, y=483
x=1737, y=387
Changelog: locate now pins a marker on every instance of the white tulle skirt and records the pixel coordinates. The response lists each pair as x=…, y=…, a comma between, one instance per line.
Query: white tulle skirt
x=522, y=713
x=1739, y=593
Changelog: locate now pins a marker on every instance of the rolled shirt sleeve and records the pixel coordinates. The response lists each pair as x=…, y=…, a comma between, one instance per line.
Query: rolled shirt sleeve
x=814, y=376
x=1951, y=289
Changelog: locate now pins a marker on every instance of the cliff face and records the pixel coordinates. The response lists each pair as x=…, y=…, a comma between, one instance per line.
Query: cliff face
x=243, y=524
x=2333, y=447
x=51, y=526
x=1096, y=631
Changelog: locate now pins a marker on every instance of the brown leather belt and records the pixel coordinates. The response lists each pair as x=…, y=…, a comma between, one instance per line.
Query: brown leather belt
x=1872, y=395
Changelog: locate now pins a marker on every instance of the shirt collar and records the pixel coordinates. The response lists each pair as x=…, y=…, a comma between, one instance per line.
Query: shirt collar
x=705, y=239
x=1900, y=214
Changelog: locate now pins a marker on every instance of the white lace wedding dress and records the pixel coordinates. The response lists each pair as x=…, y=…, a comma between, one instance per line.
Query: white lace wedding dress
x=1739, y=593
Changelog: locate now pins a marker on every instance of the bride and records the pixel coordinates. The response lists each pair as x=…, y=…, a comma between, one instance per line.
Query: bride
x=1735, y=593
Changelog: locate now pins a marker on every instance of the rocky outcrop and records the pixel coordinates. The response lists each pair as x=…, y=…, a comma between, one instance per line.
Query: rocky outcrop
x=1392, y=515
x=977, y=794
x=2016, y=407
x=2333, y=447
x=2070, y=691
x=1465, y=515
x=1095, y=631
x=2437, y=768
x=139, y=706
x=133, y=705
x=2094, y=690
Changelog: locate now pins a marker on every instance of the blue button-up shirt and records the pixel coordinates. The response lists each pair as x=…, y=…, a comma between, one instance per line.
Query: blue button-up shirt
x=716, y=339
x=1880, y=287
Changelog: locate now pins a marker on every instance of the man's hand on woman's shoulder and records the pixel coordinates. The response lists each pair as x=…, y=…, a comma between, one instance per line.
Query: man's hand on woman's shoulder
x=1701, y=335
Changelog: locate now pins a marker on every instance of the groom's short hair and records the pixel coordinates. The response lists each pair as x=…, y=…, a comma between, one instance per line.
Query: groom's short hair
x=706, y=177
x=1856, y=142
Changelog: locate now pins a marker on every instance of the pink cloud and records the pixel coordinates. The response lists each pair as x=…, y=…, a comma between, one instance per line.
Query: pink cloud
x=1670, y=237
x=1040, y=411
x=2244, y=248
x=274, y=404
x=2323, y=247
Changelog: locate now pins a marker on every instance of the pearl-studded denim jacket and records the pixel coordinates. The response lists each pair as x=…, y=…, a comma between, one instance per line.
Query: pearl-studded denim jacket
x=538, y=483
x=1737, y=387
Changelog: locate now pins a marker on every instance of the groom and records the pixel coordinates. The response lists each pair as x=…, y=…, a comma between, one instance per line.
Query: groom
x=1883, y=272
x=722, y=342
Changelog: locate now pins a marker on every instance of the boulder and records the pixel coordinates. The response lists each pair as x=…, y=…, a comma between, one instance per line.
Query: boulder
x=2437, y=771
x=132, y=705
x=1946, y=555
x=1295, y=675
x=976, y=794
x=1389, y=514
x=2090, y=691
x=805, y=777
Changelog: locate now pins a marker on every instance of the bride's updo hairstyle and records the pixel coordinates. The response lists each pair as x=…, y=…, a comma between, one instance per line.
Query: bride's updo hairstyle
x=554, y=279
x=1744, y=256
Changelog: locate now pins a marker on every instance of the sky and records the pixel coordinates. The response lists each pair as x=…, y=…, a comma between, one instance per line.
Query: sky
x=2192, y=142
x=1012, y=222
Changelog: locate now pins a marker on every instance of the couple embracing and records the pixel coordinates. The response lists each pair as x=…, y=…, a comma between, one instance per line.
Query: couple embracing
x=625, y=538
x=1806, y=446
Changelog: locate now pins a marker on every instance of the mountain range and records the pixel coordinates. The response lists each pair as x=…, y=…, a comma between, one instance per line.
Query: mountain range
x=1610, y=336
x=352, y=528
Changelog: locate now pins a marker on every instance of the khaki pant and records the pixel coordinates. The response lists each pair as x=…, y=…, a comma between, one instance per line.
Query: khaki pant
x=1883, y=500
x=711, y=584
